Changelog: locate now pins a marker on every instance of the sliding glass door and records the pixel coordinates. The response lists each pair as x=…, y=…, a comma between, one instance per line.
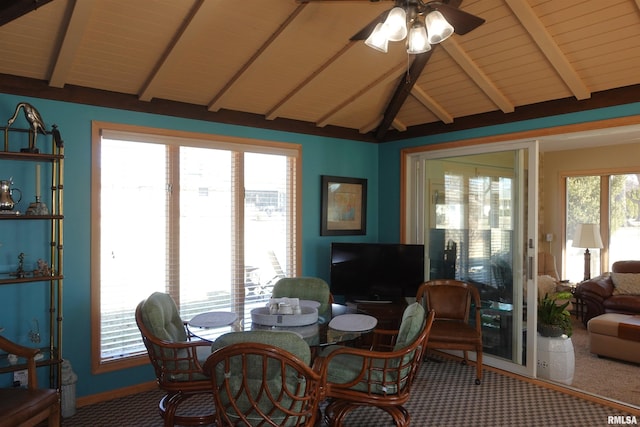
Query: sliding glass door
x=471, y=211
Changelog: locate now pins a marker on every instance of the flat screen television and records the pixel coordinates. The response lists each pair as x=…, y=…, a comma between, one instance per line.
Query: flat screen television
x=376, y=271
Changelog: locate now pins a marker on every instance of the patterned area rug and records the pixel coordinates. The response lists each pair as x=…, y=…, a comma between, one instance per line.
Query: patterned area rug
x=444, y=394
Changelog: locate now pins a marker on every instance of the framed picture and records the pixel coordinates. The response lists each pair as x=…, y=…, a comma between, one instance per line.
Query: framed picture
x=344, y=206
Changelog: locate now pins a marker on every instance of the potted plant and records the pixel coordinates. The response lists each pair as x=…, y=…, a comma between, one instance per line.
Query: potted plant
x=554, y=319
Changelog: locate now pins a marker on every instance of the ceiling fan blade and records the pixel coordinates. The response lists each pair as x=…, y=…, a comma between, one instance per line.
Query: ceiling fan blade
x=462, y=21
x=368, y=29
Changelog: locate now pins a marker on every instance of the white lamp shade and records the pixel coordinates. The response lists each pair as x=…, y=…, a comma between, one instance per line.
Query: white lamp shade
x=396, y=23
x=378, y=39
x=417, y=40
x=587, y=236
x=437, y=27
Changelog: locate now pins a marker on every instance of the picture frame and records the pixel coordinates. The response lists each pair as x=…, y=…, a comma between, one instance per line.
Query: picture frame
x=344, y=206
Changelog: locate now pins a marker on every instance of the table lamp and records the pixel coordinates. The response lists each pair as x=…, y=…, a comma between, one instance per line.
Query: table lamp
x=587, y=236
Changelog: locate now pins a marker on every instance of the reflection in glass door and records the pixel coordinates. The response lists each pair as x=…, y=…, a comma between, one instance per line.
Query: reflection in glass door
x=473, y=221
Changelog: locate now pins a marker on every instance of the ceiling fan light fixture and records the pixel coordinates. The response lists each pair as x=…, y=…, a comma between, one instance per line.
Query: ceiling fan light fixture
x=438, y=28
x=396, y=24
x=378, y=38
x=417, y=39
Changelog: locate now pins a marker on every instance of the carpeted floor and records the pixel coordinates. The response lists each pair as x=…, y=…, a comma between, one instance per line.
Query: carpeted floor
x=444, y=394
x=614, y=379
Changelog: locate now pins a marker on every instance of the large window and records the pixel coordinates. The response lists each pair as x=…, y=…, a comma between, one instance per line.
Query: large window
x=212, y=222
x=613, y=202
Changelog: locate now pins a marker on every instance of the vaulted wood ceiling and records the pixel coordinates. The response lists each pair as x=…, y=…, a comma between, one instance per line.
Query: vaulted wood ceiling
x=289, y=64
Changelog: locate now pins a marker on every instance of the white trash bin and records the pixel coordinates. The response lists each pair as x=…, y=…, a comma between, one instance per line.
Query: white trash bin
x=68, y=380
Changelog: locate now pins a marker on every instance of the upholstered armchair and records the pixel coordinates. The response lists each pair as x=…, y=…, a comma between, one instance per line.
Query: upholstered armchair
x=383, y=379
x=176, y=359
x=309, y=288
x=32, y=405
x=264, y=378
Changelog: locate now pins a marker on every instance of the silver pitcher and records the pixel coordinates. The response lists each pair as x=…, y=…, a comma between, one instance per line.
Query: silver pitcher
x=6, y=201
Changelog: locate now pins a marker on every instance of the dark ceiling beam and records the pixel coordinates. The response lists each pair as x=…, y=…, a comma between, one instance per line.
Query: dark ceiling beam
x=405, y=85
x=24, y=86
x=34, y=88
x=607, y=98
x=14, y=9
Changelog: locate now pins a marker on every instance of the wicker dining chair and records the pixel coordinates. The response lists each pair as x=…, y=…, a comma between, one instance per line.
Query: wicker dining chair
x=263, y=378
x=308, y=288
x=361, y=377
x=452, y=329
x=176, y=359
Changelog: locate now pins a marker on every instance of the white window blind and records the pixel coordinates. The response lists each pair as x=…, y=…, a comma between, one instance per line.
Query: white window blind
x=212, y=226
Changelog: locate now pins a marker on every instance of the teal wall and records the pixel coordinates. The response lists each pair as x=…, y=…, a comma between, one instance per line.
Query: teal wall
x=379, y=164
x=320, y=156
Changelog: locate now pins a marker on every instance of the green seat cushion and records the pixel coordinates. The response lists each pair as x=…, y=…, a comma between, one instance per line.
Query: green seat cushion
x=346, y=367
x=288, y=341
x=160, y=315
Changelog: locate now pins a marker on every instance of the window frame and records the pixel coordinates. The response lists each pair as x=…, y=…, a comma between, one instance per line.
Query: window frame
x=177, y=138
x=604, y=219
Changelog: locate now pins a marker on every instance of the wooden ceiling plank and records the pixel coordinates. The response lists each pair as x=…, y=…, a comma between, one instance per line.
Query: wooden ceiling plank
x=456, y=52
x=72, y=38
x=146, y=93
x=14, y=9
x=216, y=102
x=274, y=112
x=390, y=75
x=549, y=48
x=431, y=104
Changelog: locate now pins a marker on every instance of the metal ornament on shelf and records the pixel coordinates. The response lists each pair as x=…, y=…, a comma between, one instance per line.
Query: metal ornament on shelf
x=37, y=208
x=35, y=121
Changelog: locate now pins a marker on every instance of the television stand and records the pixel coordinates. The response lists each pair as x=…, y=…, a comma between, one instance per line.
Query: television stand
x=389, y=314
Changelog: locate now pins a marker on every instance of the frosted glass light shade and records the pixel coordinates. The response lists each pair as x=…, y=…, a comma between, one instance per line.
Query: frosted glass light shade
x=396, y=23
x=417, y=40
x=437, y=27
x=378, y=39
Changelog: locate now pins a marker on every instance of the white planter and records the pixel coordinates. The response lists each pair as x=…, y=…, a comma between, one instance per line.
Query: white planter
x=556, y=359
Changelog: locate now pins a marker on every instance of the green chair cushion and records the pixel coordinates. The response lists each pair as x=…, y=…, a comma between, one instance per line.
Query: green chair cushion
x=346, y=367
x=288, y=341
x=412, y=323
x=160, y=315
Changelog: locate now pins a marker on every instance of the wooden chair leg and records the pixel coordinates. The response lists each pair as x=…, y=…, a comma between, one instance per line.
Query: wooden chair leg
x=478, y=365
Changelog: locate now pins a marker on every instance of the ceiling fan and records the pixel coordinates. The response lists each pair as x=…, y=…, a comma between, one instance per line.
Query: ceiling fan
x=423, y=23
